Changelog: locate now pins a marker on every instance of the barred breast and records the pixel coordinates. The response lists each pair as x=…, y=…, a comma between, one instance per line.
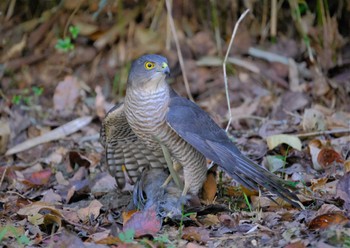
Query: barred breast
x=146, y=115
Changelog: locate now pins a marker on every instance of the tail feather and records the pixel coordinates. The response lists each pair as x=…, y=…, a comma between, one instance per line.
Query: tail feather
x=250, y=174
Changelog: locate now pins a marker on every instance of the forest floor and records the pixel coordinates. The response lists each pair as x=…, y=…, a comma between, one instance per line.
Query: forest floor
x=63, y=67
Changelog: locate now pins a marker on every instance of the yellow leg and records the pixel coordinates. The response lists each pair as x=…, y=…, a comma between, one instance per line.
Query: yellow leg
x=169, y=163
x=177, y=167
x=185, y=190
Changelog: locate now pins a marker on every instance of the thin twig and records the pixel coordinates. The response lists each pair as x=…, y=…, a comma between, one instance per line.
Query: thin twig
x=3, y=175
x=178, y=49
x=225, y=74
x=326, y=132
x=70, y=19
x=224, y=65
x=273, y=30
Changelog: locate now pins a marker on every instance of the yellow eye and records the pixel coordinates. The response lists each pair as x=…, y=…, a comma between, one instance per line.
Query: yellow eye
x=149, y=65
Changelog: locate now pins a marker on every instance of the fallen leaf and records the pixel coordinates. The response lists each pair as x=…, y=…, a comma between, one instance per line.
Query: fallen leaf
x=298, y=244
x=5, y=133
x=278, y=139
x=343, y=190
x=313, y=120
x=323, y=158
x=97, y=236
x=103, y=183
x=127, y=215
x=199, y=234
x=275, y=163
x=67, y=94
x=318, y=184
x=50, y=196
x=144, y=222
x=100, y=103
x=209, y=188
x=328, y=208
x=229, y=221
x=328, y=156
x=36, y=207
x=327, y=220
x=194, y=245
x=91, y=211
x=347, y=166
x=210, y=220
x=38, y=178
x=15, y=50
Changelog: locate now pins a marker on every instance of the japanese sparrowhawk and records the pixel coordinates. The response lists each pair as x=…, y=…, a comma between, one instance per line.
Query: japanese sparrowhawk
x=153, y=118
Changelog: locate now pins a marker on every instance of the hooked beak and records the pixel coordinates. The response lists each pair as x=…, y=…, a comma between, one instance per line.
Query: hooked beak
x=165, y=69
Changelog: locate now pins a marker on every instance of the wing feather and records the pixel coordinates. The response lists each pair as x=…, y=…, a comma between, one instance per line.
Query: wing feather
x=122, y=147
x=195, y=126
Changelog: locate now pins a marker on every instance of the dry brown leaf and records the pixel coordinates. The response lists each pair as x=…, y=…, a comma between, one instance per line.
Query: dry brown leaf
x=313, y=120
x=343, y=190
x=15, y=50
x=328, y=156
x=318, y=184
x=5, y=133
x=209, y=188
x=67, y=94
x=144, y=222
x=38, y=178
x=298, y=244
x=37, y=207
x=199, y=234
x=103, y=183
x=210, y=220
x=100, y=103
x=126, y=215
x=91, y=211
x=229, y=221
x=327, y=220
x=347, y=166
x=98, y=236
x=50, y=196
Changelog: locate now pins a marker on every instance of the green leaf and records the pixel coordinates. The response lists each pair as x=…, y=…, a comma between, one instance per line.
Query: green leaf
x=37, y=90
x=16, y=99
x=64, y=45
x=127, y=236
x=3, y=233
x=23, y=239
x=74, y=30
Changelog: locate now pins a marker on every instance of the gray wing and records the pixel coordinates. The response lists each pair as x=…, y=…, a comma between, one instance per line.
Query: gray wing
x=196, y=127
x=122, y=147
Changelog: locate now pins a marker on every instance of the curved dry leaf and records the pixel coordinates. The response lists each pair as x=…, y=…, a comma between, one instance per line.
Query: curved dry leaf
x=327, y=220
x=314, y=151
x=297, y=244
x=313, y=120
x=38, y=178
x=209, y=188
x=199, y=234
x=93, y=211
x=36, y=207
x=144, y=222
x=5, y=133
x=66, y=94
x=327, y=156
x=343, y=190
x=347, y=165
x=278, y=139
